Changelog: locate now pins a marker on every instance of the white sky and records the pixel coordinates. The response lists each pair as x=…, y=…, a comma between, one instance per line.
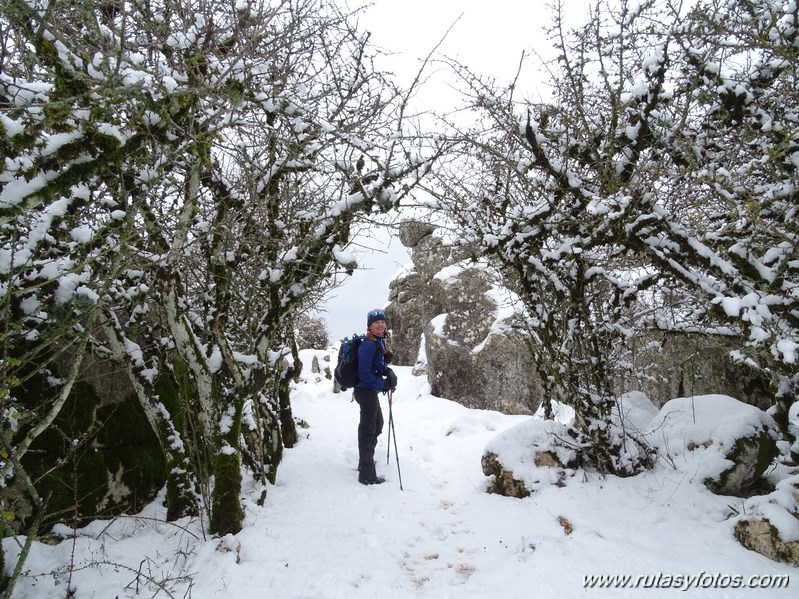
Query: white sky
x=345, y=311
x=489, y=37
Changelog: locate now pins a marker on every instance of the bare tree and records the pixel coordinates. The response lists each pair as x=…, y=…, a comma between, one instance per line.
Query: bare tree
x=180, y=175
x=654, y=192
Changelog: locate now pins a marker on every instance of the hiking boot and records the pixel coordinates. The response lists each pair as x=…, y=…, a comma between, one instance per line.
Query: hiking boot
x=375, y=480
x=368, y=476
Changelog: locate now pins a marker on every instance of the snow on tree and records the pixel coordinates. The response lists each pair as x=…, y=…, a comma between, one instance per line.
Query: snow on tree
x=178, y=177
x=656, y=191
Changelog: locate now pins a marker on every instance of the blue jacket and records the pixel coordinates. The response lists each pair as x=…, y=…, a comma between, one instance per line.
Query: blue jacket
x=371, y=363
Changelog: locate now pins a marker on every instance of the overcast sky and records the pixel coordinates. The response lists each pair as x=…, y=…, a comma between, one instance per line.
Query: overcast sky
x=489, y=37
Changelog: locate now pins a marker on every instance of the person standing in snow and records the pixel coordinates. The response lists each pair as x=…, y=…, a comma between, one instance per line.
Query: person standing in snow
x=374, y=376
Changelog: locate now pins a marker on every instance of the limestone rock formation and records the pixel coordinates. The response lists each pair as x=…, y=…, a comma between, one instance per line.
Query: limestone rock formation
x=453, y=309
x=529, y=456
x=687, y=365
x=760, y=535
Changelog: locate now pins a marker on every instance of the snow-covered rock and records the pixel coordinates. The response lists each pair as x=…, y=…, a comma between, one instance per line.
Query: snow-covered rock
x=773, y=530
x=529, y=456
x=721, y=441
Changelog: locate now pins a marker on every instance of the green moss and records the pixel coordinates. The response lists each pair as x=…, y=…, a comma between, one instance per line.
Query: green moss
x=142, y=470
x=59, y=115
x=176, y=391
x=74, y=418
x=226, y=512
x=173, y=389
x=73, y=490
x=124, y=423
x=767, y=452
x=83, y=452
x=130, y=446
x=731, y=481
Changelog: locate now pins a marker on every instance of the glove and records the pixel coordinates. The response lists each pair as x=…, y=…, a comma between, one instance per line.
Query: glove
x=389, y=380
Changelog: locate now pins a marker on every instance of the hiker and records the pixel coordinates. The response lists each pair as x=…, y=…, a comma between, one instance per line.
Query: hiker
x=374, y=376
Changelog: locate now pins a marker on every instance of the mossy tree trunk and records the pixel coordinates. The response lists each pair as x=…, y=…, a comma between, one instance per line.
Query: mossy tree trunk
x=176, y=392
x=181, y=499
x=288, y=428
x=227, y=514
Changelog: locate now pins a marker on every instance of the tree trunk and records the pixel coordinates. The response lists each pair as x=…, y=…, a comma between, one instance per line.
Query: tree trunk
x=181, y=500
x=227, y=514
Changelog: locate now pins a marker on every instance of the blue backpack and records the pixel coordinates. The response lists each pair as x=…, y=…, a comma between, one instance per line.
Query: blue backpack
x=346, y=371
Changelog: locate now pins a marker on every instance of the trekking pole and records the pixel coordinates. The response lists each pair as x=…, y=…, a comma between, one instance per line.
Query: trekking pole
x=388, y=446
x=391, y=429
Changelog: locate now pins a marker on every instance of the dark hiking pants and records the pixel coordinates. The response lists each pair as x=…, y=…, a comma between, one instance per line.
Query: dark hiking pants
x=370, y=425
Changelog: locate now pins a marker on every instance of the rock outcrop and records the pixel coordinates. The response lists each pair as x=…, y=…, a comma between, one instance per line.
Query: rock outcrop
x=529, y=456
x=685, y=365
x=760, y=535
x=771, y=524
x=454, y=310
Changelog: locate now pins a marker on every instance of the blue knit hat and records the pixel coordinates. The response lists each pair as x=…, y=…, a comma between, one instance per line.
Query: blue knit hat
x=375, y=315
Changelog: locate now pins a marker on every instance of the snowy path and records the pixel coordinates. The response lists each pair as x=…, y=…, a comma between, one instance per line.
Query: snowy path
x=402, y=540
x=443, y=536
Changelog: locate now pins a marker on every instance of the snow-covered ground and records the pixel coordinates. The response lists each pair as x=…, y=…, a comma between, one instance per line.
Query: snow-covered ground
x=320, y=534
